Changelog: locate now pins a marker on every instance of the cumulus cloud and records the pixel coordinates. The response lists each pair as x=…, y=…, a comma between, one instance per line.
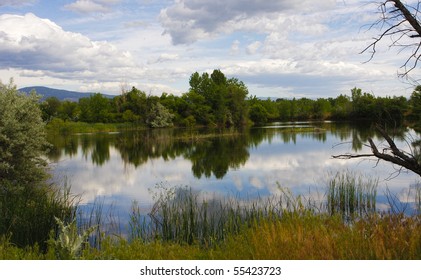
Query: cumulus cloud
x=41, y=46
x=91, y=6
x=189, y=20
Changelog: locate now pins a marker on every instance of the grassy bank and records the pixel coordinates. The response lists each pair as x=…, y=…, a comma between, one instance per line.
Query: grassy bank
x=295, y=236
x=184, y=225
x=58, y=126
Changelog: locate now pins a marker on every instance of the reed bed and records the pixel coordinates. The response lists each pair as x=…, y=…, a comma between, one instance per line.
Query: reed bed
x=351, y=195
x=183, y=224
x=181, y=215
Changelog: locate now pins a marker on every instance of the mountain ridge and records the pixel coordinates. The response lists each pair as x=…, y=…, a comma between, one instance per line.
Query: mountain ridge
x=60, y=94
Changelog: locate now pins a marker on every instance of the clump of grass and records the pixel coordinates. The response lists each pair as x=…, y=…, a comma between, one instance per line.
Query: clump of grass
x=315, y=236
x=27, y=212
x=351, y=195
x=180, y=215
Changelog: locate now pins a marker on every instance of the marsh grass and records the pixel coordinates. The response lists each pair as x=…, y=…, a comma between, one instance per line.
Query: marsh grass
x=180, y=215
x=184, y=224
x=351, y=195
x=28, y=212
x=183, y=216
x=58, y=126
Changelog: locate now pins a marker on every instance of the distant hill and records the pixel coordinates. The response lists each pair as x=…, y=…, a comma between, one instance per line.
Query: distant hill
x=60, y=94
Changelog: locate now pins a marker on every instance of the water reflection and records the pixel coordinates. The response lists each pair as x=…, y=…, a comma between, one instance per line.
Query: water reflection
x=123, y=166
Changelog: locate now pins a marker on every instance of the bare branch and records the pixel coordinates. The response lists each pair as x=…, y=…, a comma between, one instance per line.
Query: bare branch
x=390, y=154
x=402, y=21
x=350, y=156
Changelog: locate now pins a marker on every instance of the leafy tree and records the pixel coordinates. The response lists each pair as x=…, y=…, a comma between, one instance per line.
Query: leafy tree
x=68, y=111
x=415, y=105
x=222, y=99
x=341, y=107
x=159, y=116
x=258, y=114
x=50, y=107
x=95, y=108
x=284, y=109
x=27, y=204
x=322, y=109
x=134, y=100
x=22, y=137
x=363, y=104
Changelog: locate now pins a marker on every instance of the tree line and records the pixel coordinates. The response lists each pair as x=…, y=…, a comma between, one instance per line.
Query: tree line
x=215, y=100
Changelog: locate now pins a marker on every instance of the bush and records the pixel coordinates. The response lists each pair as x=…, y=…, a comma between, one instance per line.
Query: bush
x=27, y=204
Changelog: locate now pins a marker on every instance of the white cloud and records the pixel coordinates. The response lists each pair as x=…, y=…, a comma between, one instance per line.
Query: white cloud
x=34, y=44
x=253, y=47
x=91, y=6
x=163, y=58
x=235, y=47
x=189, y=20
x=15, y=2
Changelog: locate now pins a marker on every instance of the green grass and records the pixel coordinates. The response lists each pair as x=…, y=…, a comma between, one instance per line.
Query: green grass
x=27, y=213
x=351, y=195
x=184, y=225
x=58, y=126
x=303, y=236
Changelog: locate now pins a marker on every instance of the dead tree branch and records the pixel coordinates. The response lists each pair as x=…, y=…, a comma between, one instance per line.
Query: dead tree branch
x=390, y=154
x=402, y=27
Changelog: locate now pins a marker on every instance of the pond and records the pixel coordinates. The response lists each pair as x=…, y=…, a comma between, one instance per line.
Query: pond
x=115, y=169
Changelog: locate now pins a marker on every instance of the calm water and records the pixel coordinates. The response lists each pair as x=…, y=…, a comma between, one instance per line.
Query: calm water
x=119, y=168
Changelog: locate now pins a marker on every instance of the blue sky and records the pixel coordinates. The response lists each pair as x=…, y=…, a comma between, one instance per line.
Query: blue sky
x=283, y=48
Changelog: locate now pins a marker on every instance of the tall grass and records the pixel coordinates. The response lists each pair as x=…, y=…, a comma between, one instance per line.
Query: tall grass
x=58, y=126
x=27, y=213
x=183, y=224
x=351, y=195
x=183, y=216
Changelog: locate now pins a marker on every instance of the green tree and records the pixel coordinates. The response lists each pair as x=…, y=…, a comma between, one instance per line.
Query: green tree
x=362, y=104
x=415, y=105
x=159, y=116
x=50, y=107
x=322, y=109
x=224, y=100
x=342, y=107
x=258, y=114
x=68, y=111
x=22, y=137
x=27, y=204
x=95, y=108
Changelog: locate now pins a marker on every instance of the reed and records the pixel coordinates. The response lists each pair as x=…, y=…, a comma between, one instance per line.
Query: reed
x=351, y=195
x=27, y=213
x=183, y=216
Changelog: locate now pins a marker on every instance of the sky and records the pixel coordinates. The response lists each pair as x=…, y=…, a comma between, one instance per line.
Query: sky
x=280, y=49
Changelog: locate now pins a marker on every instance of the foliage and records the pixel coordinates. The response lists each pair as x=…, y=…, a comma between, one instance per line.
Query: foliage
x=69, y=244
x=224, y=99
x=258, y=114
x=215, y=100
x=27, y=204
x=351, y=195
x=415, y=105
x=212, y=100
x=293, y=237
x=22, y=137
x=159, y=116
